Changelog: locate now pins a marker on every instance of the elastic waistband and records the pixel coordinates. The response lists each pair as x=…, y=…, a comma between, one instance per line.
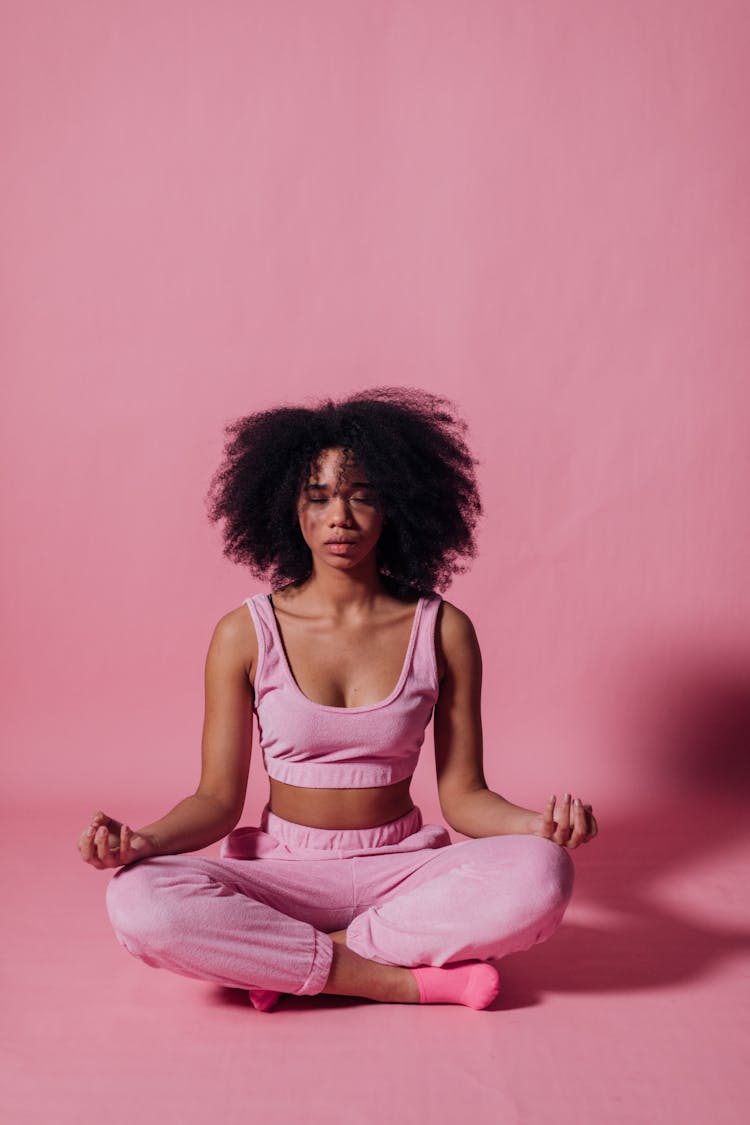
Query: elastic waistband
x=296, y=836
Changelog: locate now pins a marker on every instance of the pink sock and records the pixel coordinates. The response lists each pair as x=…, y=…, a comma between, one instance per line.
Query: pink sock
x=473, y=983
x=263, y=999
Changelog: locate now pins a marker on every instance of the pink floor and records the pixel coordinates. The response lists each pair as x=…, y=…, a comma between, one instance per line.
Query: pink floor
x=637, y=1011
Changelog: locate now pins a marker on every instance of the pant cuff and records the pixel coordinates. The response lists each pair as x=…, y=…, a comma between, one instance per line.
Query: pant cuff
x=321, y=965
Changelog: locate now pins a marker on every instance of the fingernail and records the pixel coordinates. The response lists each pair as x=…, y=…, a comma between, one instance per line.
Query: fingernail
x=577, y=802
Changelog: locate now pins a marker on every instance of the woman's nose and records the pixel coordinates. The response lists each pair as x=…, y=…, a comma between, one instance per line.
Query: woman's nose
x=340, y=511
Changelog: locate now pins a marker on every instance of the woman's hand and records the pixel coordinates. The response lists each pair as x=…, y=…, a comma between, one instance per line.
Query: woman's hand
x=108, y=843
x=570, y=824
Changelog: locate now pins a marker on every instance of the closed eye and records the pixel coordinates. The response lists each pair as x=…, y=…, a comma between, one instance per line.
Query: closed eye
x=355, y=499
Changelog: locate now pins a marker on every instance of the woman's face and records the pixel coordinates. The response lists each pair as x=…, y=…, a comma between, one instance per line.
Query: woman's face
x=339, y=512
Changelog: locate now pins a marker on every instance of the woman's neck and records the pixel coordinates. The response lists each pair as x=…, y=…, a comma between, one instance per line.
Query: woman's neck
x=341, y=592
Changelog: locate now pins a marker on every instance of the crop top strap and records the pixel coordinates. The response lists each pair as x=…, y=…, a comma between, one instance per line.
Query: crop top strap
x=260, y=607
x=424, y=661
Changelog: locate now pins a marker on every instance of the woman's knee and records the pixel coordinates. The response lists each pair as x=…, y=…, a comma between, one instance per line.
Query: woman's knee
x=528, y=885
x=130, y=900
x=145, y=901
x=550, y=872
x=541, y=870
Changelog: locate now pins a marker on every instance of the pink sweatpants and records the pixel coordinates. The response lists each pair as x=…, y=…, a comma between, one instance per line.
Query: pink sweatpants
x=259, y=917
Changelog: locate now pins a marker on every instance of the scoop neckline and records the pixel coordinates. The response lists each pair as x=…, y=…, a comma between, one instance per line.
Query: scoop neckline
x=327, y=706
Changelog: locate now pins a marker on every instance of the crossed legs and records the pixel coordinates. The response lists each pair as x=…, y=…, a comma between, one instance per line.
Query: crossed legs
x=287, y=926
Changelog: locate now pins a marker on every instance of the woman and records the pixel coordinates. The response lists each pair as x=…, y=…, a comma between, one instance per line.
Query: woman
x=358, y=510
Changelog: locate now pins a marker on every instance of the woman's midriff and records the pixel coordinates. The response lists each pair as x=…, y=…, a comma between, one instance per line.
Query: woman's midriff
x=340, y=808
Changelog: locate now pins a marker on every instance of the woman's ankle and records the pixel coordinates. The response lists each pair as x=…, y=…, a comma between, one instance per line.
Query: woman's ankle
x=352, y=975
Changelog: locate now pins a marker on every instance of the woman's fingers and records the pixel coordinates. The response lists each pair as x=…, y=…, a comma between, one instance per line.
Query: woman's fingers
x=568, y=822
x=87, y=848
x=584, y=824
x=127, y=854
x=108, y=843
x=85, y=840
x=580, y=828
x=563, y=821
x=101, y=842
x=106, y=835
x=548, y=817
x=86, y=843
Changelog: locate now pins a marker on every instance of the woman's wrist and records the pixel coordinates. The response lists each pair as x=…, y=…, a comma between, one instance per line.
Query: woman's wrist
x=194, y=823
x=145, y=844
x=485, y=813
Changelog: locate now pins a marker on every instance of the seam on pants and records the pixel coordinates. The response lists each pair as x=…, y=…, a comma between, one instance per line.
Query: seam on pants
x=355, y=889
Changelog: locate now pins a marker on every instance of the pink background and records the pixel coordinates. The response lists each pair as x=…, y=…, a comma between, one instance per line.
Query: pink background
x=537, y=209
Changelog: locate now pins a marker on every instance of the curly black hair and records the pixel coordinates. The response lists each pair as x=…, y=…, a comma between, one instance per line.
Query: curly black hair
x=411, y=444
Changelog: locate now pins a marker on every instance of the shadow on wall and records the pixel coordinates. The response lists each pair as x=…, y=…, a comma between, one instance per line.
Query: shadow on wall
x=650, y=887
x=690, y=720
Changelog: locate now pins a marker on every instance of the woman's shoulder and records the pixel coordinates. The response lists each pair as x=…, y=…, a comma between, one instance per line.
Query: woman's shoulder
x=234, y=634
x=453, y=619
x=455, y=636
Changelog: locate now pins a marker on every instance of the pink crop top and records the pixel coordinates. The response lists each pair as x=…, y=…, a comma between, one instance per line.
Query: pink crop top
x=322, y=747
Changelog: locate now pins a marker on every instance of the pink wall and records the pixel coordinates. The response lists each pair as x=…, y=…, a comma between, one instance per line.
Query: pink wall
x=539, y=210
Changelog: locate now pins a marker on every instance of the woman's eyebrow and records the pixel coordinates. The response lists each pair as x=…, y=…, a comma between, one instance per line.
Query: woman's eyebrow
x=355, y=484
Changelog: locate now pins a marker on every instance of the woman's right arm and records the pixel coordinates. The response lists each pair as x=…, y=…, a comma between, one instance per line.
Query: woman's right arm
x=216, y=806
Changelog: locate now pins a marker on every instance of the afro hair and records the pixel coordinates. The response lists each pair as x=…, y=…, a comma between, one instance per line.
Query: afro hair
x=411, y=444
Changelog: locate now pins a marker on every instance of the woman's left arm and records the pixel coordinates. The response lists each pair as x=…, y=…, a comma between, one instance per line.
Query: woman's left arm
x=467, y=804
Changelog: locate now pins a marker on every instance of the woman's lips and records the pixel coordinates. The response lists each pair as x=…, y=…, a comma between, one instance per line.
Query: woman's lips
x=341, y=546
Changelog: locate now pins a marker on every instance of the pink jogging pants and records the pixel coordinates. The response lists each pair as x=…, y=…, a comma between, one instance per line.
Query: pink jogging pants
x=259, y=916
